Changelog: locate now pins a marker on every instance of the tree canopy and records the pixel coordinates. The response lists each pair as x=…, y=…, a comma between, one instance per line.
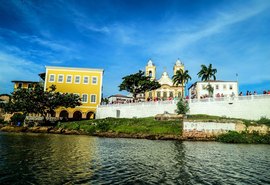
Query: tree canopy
x=37, y=101
x=138, y=83
x=180, y=78
x=206, y=73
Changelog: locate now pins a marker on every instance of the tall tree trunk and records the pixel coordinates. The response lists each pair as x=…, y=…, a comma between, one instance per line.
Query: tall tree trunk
x=134, y=96
x=183, y=90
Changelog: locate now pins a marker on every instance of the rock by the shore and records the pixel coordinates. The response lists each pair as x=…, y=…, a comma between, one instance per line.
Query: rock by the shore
x=54, y=130
x=41, y=129
x=168, y=116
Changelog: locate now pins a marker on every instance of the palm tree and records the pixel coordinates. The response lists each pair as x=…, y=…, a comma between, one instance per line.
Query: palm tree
x=206, y=73
x=180, y=78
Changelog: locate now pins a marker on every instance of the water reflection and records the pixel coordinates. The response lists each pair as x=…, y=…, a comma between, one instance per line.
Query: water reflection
x=43, y=159
x=59, y=159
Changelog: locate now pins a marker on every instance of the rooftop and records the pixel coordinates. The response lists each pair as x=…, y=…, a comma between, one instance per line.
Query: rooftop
x=74, y=68
x=23, y=81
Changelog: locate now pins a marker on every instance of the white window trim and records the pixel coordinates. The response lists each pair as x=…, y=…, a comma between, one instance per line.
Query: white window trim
x=70, y=79
x=58, y=78
x=88, y=79
x=53, y=78
x=86, y=98
x=92, y=80
x=79, y=79
x=91, y=98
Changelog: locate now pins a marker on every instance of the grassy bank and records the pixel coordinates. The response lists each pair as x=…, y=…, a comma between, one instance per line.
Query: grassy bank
x=148, y=128
x=127, y=126
x=244, y=137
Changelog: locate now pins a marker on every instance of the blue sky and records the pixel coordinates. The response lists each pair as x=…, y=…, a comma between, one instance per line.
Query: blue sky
x=121, y=36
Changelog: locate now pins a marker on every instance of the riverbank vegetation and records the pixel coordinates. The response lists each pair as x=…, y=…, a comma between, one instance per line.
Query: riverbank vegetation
x=244, y=137
x=148, y=126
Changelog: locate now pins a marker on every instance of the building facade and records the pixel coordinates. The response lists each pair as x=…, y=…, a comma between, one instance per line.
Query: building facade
x=167, y=90
x=119, y=98
x=85, y=82
x=220, y=89
x=19, y=84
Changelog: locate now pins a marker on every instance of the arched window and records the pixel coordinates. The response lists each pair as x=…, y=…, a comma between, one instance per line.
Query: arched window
x=171, y=94
x=63, y=115
x=150, y=94
x=77, y=115
x=150, y=73
x=90, y=115
x=179, y=94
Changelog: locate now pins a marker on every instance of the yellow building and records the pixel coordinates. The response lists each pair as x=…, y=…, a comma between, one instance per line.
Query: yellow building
x=167, y=90
x=19, y=84
x=85, y=82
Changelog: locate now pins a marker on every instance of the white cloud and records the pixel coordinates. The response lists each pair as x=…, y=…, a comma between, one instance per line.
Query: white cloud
x=16, y=68
x=178, y=40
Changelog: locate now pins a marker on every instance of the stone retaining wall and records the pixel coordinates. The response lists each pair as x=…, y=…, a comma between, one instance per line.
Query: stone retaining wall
x=213, y=129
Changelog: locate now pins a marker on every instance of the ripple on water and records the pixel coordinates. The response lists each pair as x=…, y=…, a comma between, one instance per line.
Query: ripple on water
x=58, y=159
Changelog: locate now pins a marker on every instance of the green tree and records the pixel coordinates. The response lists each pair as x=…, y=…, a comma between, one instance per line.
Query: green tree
x=138, y=83
x=181, y=78
x=182, y=107
x=206, y=74
x=38, y=101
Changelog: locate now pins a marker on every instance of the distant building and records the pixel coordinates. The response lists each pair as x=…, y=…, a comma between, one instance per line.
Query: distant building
x=220, y=89
x=167, y=89
x=19, y=84
x=86, y=82
x=119, y=98
x=4, y=98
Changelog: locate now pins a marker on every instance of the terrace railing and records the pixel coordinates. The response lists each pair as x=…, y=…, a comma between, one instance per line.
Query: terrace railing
x=147, y=103
x=168, y=102
x=236, y=98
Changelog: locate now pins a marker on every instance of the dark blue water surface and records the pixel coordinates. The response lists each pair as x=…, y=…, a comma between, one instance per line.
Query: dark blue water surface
x=67, y=159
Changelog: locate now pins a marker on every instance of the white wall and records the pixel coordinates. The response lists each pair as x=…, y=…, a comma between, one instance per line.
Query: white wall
x=139, y=110
x=246, y=107
x=208, y=126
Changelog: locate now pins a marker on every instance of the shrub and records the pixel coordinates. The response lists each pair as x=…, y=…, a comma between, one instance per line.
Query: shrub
x=103, y=126
x=90, y=129
x=264, y=121
x=244, y=137
x=182, y=107
x=17, y=118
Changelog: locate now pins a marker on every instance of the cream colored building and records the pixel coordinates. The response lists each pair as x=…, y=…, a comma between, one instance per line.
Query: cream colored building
x=167, y=90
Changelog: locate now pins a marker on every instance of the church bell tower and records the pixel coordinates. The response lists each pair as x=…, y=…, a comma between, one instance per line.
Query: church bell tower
x=177, y=66
x=150, y=70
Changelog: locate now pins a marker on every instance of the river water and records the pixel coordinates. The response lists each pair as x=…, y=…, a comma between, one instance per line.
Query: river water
x=68, y=159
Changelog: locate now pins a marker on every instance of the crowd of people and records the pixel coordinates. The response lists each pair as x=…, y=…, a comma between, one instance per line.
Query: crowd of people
x=249, y=93
x=155, y=99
